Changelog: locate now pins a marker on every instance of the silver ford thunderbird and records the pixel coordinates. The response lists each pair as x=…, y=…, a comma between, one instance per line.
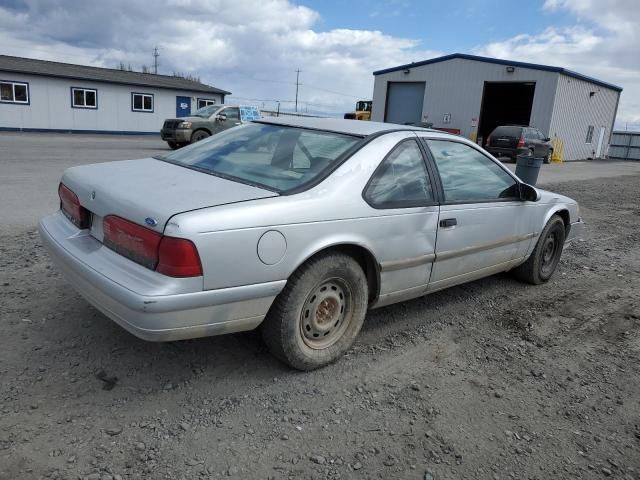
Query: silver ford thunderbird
x=297, y=226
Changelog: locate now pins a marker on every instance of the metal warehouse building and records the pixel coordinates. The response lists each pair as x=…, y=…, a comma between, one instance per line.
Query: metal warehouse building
x=38, y=95
x=471, y=95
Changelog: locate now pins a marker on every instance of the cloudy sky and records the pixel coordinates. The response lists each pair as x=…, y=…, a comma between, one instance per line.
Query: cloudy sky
x=253, y=48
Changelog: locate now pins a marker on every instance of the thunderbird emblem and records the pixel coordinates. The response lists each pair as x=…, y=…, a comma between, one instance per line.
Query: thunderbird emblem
x=152, y=222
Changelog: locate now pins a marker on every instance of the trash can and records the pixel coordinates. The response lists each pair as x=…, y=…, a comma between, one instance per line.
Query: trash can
x=527, y=169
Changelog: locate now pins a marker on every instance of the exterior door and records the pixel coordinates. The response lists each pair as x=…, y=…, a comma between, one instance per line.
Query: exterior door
x=600, y=143
x=404, y=234
x=404, y=102
x=183, y=106
x=483, y=225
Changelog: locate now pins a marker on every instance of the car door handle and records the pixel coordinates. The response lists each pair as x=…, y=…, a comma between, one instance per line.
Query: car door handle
x=448, y=222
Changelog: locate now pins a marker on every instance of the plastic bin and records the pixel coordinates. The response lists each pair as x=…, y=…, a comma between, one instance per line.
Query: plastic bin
x=528, y=168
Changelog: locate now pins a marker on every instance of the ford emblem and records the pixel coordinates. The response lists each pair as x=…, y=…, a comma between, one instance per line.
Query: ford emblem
x=152, y=222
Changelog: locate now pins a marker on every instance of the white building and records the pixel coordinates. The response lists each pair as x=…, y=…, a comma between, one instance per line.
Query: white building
x=472, y=95
x=38, y=95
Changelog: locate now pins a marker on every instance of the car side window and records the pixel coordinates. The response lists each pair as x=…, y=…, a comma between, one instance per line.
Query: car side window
x=232, y=113
x=401, y=180
x=469, y=176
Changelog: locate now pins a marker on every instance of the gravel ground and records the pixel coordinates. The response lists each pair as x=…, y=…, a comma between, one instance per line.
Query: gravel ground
x=493, y=379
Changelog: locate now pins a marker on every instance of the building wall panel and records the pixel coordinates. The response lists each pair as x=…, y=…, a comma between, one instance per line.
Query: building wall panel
x=575, y=109
x=50, y=106
x=455, y=87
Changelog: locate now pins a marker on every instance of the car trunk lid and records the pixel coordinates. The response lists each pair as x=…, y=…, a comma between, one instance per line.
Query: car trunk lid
x=150, y=191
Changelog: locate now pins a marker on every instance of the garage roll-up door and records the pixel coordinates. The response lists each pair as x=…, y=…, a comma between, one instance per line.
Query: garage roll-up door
x=404, y=102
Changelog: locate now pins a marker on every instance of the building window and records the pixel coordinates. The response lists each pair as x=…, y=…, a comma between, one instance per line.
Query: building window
x=589, y=134
x=205, y=102
x=84, y=98
x=142, y=102
x=14, y=92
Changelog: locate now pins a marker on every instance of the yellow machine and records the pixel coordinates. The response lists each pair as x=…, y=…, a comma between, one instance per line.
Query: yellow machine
x=363, y=111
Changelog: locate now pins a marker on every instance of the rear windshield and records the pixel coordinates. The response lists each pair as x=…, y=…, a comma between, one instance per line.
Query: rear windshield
x=275, y=157
x=507, y=132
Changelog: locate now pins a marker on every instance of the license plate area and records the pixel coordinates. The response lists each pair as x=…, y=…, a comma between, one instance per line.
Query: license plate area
x=96, y=227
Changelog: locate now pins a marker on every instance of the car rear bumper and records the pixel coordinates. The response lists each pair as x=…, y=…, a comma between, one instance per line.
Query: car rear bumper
x=507, y=152
x=576, y=230
x=150, y=305
x=178, y=135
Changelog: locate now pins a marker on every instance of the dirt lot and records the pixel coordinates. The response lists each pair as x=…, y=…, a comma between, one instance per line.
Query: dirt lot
x=493, y=379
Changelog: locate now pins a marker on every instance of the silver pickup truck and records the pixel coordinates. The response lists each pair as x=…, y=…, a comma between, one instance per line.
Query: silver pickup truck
x=205, y=122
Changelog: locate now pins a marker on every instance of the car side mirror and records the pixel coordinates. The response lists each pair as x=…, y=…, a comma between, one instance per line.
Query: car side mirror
x=528, y=193
x=221, y=118
x=547, y=139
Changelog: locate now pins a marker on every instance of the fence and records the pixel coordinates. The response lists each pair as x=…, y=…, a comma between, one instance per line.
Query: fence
x=625, y=146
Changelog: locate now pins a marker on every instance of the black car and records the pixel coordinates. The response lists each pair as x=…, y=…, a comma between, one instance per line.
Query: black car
x=513, y=140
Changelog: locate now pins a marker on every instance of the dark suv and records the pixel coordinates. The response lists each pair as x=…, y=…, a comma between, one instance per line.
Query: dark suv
x=513, y=140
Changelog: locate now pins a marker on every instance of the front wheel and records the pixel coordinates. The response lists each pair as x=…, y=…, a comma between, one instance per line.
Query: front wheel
x=199, y=135
x=318, y=315
x=545, y=257
x=173, y=145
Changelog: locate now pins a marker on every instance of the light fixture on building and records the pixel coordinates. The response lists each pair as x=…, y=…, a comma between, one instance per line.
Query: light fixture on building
x=511, y=69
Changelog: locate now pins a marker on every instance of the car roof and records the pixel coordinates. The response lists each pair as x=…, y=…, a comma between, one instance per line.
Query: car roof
x=359, y=128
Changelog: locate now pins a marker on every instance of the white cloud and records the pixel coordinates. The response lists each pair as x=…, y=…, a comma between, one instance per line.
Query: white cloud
x=604, y=45
x=253, y=48
x=250, y=48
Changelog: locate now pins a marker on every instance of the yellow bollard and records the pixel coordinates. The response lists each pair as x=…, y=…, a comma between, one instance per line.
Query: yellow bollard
x=558, y=150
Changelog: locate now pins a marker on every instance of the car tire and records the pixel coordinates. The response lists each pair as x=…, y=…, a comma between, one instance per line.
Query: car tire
x=173, y=145
x=199, y=135
x=545, y=257
x=319, y=313
x=547, y=158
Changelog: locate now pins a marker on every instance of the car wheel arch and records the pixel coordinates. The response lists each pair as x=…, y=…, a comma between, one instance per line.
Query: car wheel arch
x=363, y=255
x=202, y=129
x=563, y=213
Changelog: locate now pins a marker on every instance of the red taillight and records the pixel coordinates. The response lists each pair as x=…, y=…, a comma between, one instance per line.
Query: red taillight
x=520, y=142
x=132, y=240
x=70, y=206
x=178, y=257
x=175, y=257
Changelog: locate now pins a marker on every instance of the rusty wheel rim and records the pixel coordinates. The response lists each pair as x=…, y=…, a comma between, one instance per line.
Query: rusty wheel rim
x=326, y=314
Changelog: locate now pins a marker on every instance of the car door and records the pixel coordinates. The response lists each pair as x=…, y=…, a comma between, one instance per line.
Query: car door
x=233, y=117
x=544, y=144
x=483, y=226
x=405, y=224
x=531, y=140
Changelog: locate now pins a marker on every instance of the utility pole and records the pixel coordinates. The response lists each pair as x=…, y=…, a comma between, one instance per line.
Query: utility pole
x=155, y=60
x=297, y=84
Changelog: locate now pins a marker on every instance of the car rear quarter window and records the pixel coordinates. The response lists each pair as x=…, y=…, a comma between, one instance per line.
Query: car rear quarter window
x=401, y=180
x=468, y=176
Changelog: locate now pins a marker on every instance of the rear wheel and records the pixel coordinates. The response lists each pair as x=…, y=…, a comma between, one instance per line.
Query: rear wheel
x=545, y=257
x=199, y=135
x=173, y=145
x=318, y=315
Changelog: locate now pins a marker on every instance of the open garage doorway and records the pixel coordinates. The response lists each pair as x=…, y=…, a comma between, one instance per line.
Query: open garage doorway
x=505, y=103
